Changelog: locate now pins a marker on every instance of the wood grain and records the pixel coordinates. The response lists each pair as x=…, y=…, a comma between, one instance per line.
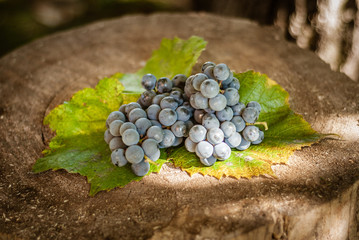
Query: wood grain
x=314, y=197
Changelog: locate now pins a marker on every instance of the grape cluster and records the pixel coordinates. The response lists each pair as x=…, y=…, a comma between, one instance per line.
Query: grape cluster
x=203, y=111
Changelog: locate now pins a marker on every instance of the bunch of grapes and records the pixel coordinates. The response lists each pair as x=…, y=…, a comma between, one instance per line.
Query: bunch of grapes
x=203, y=111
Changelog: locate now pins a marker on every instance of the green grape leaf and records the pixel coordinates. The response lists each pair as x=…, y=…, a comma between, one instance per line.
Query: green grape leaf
x=240, y=164
x=287, y=132
x=89, y=155
x=175, y=56
x=80, y=123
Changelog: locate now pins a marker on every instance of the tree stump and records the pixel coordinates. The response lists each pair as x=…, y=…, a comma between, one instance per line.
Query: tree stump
x=314, y=197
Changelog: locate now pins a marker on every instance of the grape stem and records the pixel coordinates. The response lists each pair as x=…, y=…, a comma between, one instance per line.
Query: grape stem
x=142, y=139
x=220, y=84
x=259, y=123
x=150, y=161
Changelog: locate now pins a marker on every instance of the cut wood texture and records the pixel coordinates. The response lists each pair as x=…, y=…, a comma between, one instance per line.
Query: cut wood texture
x=314, y=197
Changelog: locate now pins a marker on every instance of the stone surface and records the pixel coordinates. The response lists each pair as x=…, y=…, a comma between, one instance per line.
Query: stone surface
x=314, y=196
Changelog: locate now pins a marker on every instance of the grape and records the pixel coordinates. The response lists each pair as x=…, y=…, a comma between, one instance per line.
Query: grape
x=234, y=140
x=204, y=149
x=147, y=97
x=251, y=133
x=156, y=123
x=142, y=125
x=218, y=103
x=131, y=106
x=260, y=138
x=188, y=89
x=255, y=105
x=190, y=145
x=186, y=99
x=115, y=127
x=127, y=125
x=135, y=114
x=232, y=96
x=116, y=115
x=206, y=64
x=167, y=117
x=243, y=145
x=108, y=136
x=234, y=84
x=189, y=81
x=221, y=72
x=188, y=106
x=153, y=111
x=208, y=161
x=225, y=115
x=150, y=146
x=116, y=143
x=177, y=95
x=134, y=154
x=189, y=125
x=210, y=120
x=200, y=101
x=238, y=109
x=209, y=110
x=198, y=79
x=179, y=80
x=187, y=92
x=141, y=169
x=154, y=157
x=193, y=102
x=130, y=137
x=123, y=109
x=183, y=113
x=139, y=101
x=155, y=133
x=228, y=128
x=239, y=123
x=177, y=142
x=250, y=114
x=222, y=151
x=179, y=129
x=169, y=102
x=164, y=85
x=157, y=99
x=215, y=136
x=225, y=83
x=174, y=89
x=209, y=88
x=197, y=133
x=209, y=72
x=168, y=139
x=118, y=157
x=148, y=81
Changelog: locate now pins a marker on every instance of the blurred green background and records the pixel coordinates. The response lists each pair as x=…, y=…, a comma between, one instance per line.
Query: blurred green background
x=24, y=20
x=328, y=27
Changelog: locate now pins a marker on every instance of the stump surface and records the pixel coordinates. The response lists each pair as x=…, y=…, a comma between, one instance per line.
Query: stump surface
x=314, y=196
